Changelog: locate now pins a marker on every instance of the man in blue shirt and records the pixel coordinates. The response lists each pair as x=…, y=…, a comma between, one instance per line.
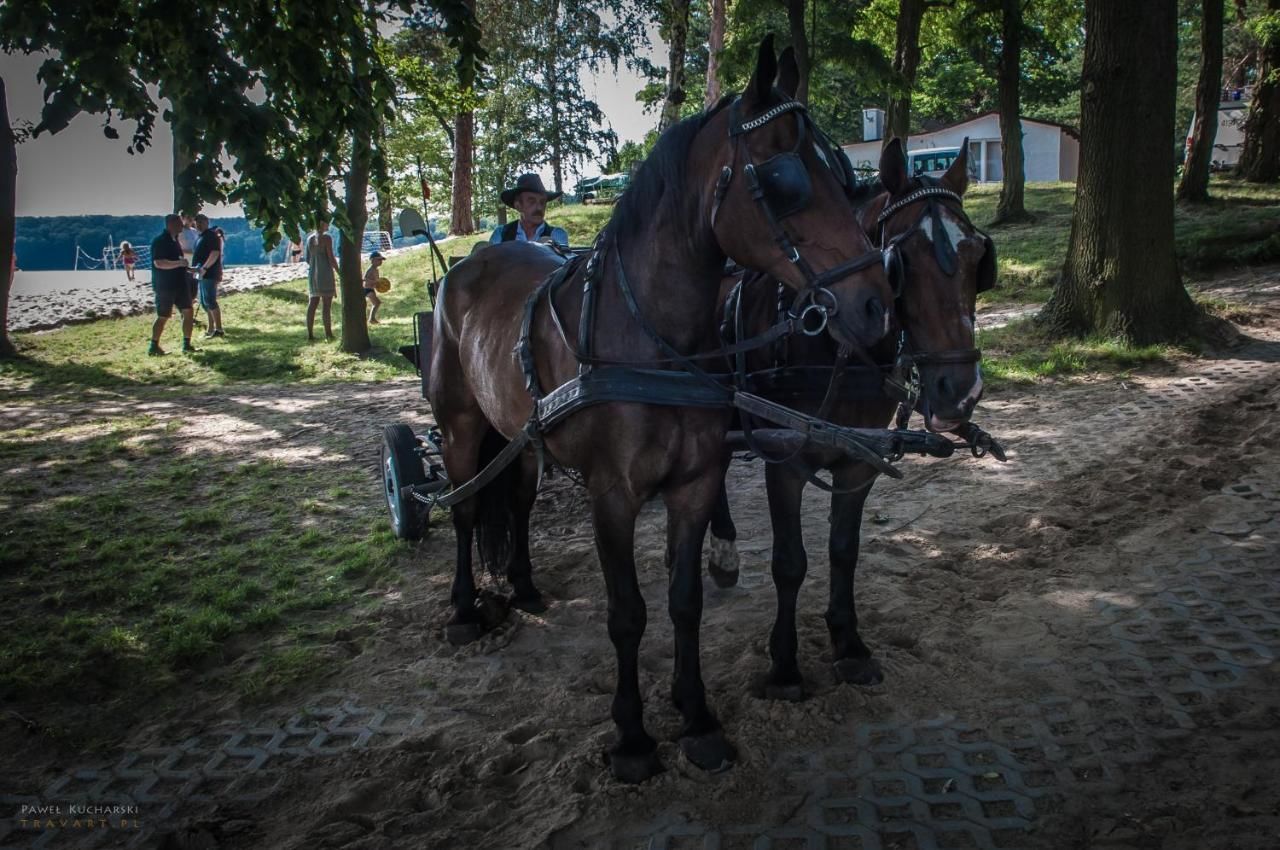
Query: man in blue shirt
x=169, y=281
x=529, y=198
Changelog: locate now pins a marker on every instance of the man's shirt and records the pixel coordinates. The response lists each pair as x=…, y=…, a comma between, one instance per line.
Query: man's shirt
x=208, y=243
x=165, y=247
x=557, y=235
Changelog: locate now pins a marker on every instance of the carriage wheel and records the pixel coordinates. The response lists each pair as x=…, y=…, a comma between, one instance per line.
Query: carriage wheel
x=402, y=468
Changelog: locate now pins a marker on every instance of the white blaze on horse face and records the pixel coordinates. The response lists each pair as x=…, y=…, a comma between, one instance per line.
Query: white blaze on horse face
x=955, y=233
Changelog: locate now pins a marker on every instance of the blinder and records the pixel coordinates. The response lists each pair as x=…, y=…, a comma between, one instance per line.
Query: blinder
x=785, y=182
x=987, y=265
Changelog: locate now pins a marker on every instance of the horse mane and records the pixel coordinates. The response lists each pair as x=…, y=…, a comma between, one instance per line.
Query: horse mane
x=865, y=191
x=657, y=190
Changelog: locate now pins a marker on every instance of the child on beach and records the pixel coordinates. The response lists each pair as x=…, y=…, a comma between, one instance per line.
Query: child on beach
x=129, y=257
x=370, y=282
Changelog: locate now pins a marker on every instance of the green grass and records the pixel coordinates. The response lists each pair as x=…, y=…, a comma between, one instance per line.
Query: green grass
x=127, y=563
x=1019, y=354
x=1240, y=226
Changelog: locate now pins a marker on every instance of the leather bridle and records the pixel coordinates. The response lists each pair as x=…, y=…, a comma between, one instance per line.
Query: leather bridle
x=781, y=187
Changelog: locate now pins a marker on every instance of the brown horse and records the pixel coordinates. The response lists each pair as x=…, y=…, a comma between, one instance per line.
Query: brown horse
x=752, y=178
x=945, y=263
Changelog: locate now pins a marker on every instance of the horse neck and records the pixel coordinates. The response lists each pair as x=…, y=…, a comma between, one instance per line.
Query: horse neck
x=673, y=271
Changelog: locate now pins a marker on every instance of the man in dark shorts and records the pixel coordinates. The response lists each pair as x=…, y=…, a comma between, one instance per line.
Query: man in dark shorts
x=169, y=281
x=208, y=265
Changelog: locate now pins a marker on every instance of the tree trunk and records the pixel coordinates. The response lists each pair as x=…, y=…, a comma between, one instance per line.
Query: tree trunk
x=1011, y=206
x=677, y=35
x=1121, y=277
x=906, y=58
x=355, y=328
x=183, y=203
x=553, y=96
x=1194, y=186
x=8, y=218
x=1260, y=160
x=800, y=43
x=715, y=45
x=460, y=219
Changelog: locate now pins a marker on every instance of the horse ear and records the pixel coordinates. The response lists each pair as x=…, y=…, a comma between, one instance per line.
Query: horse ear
x=893, y=167
x=766, y=69
x=957, y=177
x=788, y=73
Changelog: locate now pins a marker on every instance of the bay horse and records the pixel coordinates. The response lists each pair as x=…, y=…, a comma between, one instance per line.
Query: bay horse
x=751, y=178
x=945, y=263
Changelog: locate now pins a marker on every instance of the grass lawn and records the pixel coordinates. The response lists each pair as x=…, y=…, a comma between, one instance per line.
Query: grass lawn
x=141, y=547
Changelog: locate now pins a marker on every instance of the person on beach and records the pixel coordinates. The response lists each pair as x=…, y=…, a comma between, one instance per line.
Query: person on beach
x=208, y=264
x=169, y=281
x=370, y=283
x=322, y=286
x=129, y=257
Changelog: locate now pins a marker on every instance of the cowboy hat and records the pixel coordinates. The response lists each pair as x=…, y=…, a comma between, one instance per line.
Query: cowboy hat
x=529, y=182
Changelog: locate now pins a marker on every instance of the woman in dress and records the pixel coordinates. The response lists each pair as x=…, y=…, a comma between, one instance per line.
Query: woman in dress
x=322, y=270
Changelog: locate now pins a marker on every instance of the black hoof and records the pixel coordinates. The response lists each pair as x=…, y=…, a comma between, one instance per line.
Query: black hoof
x=492, y=609
x=633, y=768
x=460, y=634
x=711, y=751
x=859, y=671
x=786, y=693
x=533, y=604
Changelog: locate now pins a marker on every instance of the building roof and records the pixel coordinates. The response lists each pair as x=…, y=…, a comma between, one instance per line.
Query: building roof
x=1069, y=130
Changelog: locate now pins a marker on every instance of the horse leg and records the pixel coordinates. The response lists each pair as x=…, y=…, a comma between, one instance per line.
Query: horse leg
x=790, y=563
x=525, y=595
x=722, y=560
x=688, y=509
x=852, y=659
x=461, y=453
x=634, y=757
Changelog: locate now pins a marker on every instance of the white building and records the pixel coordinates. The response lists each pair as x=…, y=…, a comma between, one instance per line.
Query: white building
x=1228, y=143
x=1050, y=151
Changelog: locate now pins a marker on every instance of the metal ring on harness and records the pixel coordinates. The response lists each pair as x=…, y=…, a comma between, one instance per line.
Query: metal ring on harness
x=822, y=320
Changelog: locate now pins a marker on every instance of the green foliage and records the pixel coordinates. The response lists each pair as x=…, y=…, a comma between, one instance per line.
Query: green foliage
x=273, y=94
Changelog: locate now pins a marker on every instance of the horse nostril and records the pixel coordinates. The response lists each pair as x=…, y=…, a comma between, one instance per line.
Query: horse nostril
x=875, y=309
x=946, y=388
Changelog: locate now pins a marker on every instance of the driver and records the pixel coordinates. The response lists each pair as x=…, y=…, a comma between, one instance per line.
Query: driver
x=529, y=198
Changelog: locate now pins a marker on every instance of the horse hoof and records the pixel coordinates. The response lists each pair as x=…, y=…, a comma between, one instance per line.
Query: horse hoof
x=722, y=578
x=723, y=562
x=785, y=693
x=633, y=768
x=530, y=604
x=492, y=609
x=460, y=634
x=711, y=752
x=859, y=671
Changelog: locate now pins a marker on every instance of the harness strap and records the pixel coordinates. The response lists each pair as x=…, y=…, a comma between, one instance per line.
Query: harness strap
x=495, y=466
x=958, y=355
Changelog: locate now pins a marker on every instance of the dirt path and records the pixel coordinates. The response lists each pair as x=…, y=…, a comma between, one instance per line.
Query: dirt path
x=1079, y=649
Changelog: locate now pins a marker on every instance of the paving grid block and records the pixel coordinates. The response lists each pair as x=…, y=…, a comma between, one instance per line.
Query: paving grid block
x=1198, y=628
x=1195, y=629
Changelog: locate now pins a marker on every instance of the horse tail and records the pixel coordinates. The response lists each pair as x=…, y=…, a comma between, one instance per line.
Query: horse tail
x=494, y=517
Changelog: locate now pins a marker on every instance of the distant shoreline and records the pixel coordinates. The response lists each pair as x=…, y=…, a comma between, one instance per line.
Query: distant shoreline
x=47, y=300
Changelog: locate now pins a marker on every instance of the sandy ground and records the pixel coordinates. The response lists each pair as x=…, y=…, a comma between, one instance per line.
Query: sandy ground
x=981, y=586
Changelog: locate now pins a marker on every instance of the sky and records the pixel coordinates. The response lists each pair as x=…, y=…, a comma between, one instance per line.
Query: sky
x=79, y=171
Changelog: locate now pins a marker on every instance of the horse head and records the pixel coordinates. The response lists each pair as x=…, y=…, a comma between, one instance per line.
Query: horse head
x=940, y=262
x=779, y=204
